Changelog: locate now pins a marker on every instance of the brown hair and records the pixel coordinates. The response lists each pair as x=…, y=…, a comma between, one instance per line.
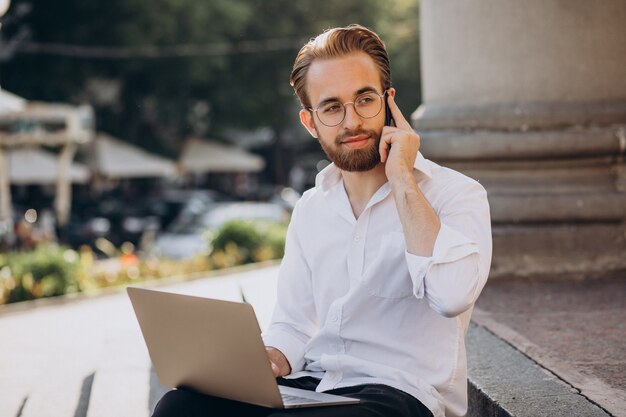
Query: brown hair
x=335, y=43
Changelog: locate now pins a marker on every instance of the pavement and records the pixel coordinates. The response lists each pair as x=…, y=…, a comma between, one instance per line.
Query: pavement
x=576, y=329
x=85, y=357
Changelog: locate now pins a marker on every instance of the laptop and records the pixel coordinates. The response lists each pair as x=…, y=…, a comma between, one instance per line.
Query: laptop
x=214, y=347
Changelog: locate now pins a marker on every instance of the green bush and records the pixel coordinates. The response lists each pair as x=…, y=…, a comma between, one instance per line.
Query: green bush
x=51, y=270
x=275, y=235
x=47, y=271
x=238, y=242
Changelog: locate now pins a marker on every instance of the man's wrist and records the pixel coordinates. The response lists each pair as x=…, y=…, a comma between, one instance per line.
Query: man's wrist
x=403, y=181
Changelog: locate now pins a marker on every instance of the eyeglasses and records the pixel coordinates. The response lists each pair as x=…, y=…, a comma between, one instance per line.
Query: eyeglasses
x=366, y=105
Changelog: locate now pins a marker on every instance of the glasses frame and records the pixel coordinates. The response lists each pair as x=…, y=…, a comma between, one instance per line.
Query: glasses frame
x=345, y=111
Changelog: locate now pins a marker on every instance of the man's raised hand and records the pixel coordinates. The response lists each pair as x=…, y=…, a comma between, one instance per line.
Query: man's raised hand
x=398, y=145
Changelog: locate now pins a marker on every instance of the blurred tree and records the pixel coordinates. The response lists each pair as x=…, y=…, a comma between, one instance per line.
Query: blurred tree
x=191, y=67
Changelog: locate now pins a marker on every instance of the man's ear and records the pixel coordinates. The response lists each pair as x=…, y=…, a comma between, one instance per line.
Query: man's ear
x=306, y=118
x=392, y=92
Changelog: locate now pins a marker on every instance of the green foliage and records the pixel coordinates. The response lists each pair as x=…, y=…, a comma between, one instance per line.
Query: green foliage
x=157, y=97
x=247, y=241
x=243, y=234
x=51, y=270
x=46, y=271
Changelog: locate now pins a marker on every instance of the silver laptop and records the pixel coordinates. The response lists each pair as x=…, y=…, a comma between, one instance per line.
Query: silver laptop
x=214, y=347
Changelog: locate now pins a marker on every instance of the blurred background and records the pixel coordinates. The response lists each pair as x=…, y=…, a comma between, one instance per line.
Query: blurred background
x=142, y=140
x=125, y=125
x=141, y=128
x=135, y=127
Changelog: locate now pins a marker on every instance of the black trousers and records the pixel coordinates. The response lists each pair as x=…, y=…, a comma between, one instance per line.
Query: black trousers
x=376, y=401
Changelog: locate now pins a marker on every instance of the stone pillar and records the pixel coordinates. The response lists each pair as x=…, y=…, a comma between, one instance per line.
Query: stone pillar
x=529, y=98
x=6, y=216
x=63, y=197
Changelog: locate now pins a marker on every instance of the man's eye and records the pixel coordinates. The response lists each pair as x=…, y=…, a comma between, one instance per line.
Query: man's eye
x=364, y=100
x=331, y=108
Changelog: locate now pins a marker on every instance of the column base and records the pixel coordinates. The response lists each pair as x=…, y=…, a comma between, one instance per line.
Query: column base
x=557, y=194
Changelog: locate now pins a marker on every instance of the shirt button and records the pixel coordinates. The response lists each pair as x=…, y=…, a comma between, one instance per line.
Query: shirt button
x=335, y=319
x=357, y=238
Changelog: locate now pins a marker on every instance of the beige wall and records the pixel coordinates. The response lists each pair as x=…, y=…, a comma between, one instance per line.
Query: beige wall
x=490, y=51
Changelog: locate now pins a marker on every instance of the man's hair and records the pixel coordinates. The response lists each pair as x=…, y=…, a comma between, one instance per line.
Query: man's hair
x=334, y=43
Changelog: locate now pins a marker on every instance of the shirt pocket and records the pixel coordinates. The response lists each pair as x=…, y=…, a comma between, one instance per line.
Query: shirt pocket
x=388, y=275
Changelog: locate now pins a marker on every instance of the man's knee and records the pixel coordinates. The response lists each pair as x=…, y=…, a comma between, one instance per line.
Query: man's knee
x=173, y=402
x=189, y=403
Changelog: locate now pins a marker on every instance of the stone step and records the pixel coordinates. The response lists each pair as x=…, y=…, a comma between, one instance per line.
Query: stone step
x=122, y=381
x=13, y=398
x=124, y=392
x=503, y=382
x=63, y=394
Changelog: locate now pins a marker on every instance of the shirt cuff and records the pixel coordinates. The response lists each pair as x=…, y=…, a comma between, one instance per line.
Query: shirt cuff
x=450, y=246
x=288, y=344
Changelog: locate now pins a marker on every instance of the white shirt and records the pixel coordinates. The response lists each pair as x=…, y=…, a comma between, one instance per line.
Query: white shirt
x=354, y=307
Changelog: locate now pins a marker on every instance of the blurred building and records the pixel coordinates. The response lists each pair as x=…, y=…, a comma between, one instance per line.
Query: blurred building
x=530, y=99
x=26, y=125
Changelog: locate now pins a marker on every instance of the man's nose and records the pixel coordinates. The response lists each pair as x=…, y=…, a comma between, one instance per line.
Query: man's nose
x=352, y=118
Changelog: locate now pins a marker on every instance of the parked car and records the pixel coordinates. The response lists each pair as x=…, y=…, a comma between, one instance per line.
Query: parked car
x=185, y=237
x=137, y=221
x=112, y=219
x=174, y=203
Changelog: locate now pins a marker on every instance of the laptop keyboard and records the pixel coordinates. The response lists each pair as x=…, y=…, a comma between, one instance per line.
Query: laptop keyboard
x=291, y=399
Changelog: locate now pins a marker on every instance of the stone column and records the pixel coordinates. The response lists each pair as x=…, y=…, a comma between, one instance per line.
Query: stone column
x=63, y=197
x=529, y=98
x=6, y=216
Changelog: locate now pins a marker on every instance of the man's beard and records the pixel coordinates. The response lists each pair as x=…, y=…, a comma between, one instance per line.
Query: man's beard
x=354, y=160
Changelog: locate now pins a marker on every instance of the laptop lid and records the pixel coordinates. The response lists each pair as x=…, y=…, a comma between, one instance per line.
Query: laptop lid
x=212, y=346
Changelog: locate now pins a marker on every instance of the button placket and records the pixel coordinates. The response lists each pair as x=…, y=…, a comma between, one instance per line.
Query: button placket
x=356, y=250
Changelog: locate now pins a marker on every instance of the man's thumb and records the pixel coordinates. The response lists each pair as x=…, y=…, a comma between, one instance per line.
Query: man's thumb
x=275, y=369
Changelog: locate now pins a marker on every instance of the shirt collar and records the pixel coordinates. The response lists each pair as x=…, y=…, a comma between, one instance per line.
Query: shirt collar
x=330, y=175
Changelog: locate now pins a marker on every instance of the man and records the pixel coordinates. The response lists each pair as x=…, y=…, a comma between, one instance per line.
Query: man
x=384, y=259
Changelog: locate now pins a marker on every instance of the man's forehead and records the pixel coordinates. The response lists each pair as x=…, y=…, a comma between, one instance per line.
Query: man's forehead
x=341, y=76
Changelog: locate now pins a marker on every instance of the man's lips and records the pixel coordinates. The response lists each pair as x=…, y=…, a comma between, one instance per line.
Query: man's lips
x=356, y=138
x=355, y=141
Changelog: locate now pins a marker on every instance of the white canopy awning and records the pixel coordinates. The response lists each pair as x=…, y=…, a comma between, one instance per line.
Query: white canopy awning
x=209, y=156
x=10, y=102
x=114, y=158
x=36, y=166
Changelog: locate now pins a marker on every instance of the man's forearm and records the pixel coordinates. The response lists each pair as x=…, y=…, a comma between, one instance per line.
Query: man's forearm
x=419, y=221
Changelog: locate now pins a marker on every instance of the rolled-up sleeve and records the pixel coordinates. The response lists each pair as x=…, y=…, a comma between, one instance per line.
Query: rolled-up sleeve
x=294, y=320
x=453, y=277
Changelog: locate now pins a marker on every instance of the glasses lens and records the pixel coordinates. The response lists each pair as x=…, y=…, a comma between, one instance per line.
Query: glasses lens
x=332, y=113
x=368, y=105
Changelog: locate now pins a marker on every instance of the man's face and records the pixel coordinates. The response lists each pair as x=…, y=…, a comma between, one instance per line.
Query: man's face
x=352, y=145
